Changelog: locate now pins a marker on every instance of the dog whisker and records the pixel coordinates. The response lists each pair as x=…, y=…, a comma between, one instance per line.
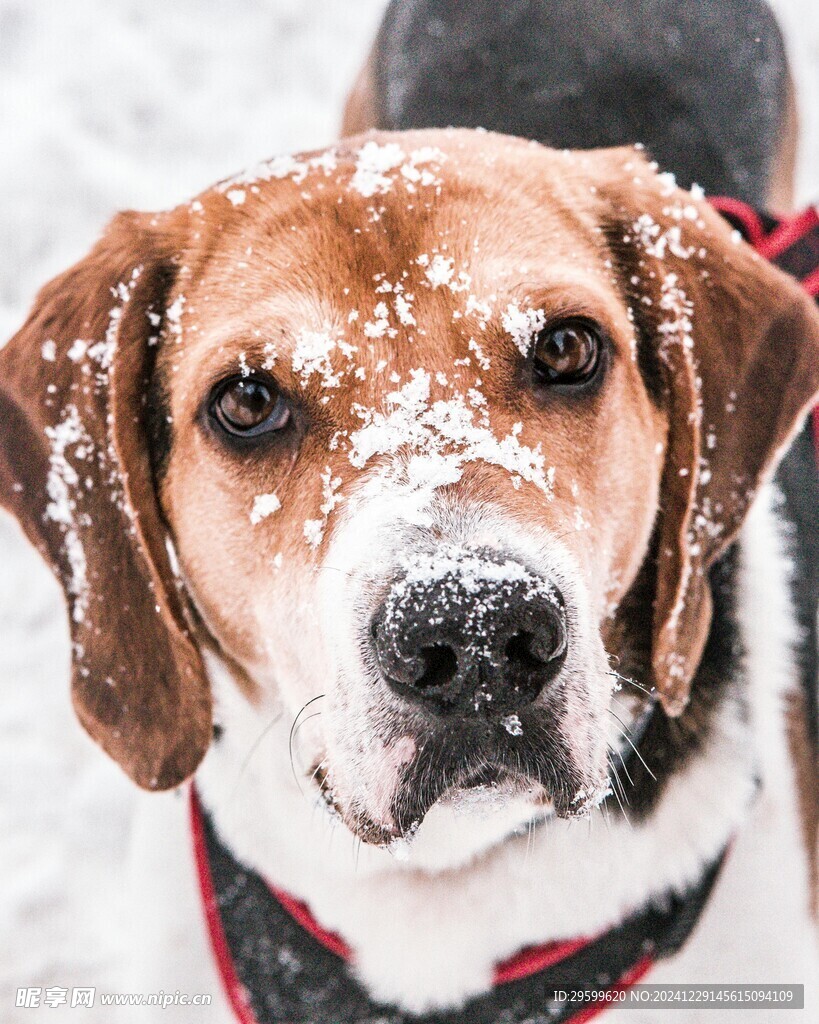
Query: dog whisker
x=254, y=747
x=292, y=733
x=614, y=750
x=628, y=740
x=619, y=793
x=631, y=682
x=332, y=568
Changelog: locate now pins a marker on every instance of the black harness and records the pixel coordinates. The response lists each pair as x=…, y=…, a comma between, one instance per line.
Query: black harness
x=280, y=967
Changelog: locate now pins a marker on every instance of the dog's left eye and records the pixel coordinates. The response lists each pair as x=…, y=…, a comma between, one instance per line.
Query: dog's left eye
x=567, y=352
x=249, y=406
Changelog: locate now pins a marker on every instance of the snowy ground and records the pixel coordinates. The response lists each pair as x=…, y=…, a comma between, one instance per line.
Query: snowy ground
x=107, y=104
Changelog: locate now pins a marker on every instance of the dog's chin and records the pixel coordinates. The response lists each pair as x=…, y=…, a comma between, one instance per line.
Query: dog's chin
x=466, y=823
x=443, y=827
x=462, y=824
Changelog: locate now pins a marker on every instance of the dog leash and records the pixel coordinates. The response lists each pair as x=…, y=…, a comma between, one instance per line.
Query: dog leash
x=790, y=243
x=278, y=965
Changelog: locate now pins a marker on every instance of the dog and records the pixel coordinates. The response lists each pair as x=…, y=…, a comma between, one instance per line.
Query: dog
x=415, y=495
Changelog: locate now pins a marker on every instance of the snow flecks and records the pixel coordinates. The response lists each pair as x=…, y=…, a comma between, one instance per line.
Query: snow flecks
x=313, y=532
x=585, y=801
x=480, y=308
x=482, y=360
x=98, y=356
x=65, y=482
x=77, y=350
x=373, y=164
x=471, y=570
x=403, y=310
x=438, y=438
x=312, y=355
x=281, y=167
x=264, y=505
x=656, y=241
x=668, y=183
x=173, y=317
x=376, y=165
x=512, y=725
x=330, y=487
x=49, y=350
x=380, y=326
x=522, y=324
x=270, y=356
x=61, y=486
x=440, y=270
x=678, y=327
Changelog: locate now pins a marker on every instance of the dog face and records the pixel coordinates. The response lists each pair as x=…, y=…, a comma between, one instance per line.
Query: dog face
x=428, y=494
x=395, y=429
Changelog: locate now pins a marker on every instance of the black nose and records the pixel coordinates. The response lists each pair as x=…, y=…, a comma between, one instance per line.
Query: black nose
x=477, y=635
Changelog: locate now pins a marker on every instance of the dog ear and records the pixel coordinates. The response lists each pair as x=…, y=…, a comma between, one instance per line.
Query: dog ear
x=734, y=346
x=75, y=470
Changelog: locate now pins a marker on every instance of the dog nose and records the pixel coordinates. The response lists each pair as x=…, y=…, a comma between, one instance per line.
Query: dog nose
x=478, y=636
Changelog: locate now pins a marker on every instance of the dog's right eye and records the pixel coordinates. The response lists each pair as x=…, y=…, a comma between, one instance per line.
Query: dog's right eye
x=249, y=406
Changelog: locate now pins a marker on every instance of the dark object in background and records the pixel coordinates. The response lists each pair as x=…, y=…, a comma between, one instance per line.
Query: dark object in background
x=703, y=84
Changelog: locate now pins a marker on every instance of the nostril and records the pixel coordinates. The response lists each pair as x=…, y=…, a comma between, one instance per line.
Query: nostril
x=528, y=650
x=519, y=650
x=440, y=666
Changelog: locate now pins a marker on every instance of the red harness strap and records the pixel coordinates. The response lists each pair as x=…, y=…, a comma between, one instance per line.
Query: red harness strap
x=521, y=965
x=791, y=243
x=526, y=964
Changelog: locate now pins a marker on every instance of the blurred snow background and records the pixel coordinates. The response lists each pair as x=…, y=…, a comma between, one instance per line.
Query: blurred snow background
x=106, y=104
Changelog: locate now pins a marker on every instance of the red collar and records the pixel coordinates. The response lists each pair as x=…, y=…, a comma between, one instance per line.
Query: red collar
x=239, y=907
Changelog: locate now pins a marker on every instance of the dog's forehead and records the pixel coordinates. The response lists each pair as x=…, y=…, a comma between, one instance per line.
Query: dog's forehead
x=429, y=206
x=392, y=239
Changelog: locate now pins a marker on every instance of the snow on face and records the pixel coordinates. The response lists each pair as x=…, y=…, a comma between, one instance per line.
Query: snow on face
x=264, y=505
x=441, y=437
x=427, y=440
x=522, y=324
x=376, y=162
x=379, y=168
x=427, y=437
x=421, y=433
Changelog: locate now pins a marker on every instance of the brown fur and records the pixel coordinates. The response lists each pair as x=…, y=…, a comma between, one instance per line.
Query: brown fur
x=360, y=111
x=535, y=226
x=807, y=784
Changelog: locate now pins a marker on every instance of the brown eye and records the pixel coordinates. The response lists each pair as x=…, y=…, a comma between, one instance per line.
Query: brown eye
x=249, y=406
x=567, y=352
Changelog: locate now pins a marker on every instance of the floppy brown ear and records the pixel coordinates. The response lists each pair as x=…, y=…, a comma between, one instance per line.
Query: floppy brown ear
x=75, y=470
x=735, y=345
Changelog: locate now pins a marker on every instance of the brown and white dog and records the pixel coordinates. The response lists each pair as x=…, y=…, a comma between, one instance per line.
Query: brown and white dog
x=421, y=466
